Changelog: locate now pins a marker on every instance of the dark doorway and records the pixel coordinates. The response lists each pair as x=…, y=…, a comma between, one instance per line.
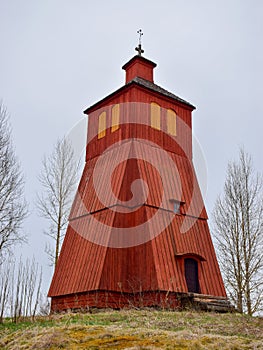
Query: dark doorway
x=191, y=275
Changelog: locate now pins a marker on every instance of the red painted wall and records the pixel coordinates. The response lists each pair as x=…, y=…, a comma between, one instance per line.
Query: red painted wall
x=88, y=269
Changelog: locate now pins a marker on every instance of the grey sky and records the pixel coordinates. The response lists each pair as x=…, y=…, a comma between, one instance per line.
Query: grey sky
x=60, y=56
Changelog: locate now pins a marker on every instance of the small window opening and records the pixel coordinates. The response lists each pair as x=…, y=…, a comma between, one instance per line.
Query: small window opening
x=102, y=125
x=155, y=116
x=171, y=122
x=115, y=118
x=177, y=206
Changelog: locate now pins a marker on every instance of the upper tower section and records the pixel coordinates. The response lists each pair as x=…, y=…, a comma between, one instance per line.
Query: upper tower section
x=140, y=67
x=140, y=109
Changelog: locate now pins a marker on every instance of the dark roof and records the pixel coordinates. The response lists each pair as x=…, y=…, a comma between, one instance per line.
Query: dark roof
x=146, y=84
x=149, y=85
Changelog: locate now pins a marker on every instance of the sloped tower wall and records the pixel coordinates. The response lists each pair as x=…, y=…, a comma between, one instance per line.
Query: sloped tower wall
x=138, y=232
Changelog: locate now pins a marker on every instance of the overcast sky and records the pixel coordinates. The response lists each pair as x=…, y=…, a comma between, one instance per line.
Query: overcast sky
x=58, y=57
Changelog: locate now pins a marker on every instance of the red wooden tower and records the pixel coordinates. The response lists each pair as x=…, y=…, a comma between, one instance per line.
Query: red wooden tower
x=138, y=232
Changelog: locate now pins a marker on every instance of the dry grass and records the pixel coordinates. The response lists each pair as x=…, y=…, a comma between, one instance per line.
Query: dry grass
x=131, y=329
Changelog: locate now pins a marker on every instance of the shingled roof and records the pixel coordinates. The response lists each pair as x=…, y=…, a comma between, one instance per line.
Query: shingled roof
x=153, y=87
x=145, y=84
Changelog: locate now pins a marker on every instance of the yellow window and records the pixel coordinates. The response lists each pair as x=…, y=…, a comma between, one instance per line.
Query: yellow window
x=155, y=116
x=171, y=122
x=115, y=118
x=102, y=125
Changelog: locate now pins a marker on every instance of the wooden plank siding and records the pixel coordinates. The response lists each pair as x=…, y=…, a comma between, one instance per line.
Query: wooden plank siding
x=147, y=172
x=91, y=272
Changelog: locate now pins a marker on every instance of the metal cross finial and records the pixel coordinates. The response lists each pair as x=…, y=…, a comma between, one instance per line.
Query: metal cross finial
x=139, y=47
x=140, y=35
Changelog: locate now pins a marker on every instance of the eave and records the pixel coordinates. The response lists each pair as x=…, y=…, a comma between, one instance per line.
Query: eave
x=146, y=85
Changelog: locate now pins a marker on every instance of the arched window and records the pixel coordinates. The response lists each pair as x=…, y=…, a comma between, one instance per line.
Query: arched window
x=115, y=118
x=102, y=125
x=171, y=122
x=155, y=116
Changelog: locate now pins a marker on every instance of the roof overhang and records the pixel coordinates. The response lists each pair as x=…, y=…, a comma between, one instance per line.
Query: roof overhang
x=141, y=83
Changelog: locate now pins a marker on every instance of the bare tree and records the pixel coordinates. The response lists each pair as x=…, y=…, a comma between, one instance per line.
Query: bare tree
x=5, y=278
x=24, y=289
x=238, y=219
x=12, y=204
x=44, y=306
x=58, y=179
x=20, y=289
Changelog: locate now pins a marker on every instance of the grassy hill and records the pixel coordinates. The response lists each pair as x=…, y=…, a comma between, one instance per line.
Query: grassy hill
x=135, y=329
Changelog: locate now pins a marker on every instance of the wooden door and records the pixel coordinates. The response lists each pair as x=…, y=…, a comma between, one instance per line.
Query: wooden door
x=191, y=275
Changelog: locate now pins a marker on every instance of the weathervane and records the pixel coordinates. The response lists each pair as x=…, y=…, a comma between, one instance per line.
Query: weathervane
x=139, y=47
